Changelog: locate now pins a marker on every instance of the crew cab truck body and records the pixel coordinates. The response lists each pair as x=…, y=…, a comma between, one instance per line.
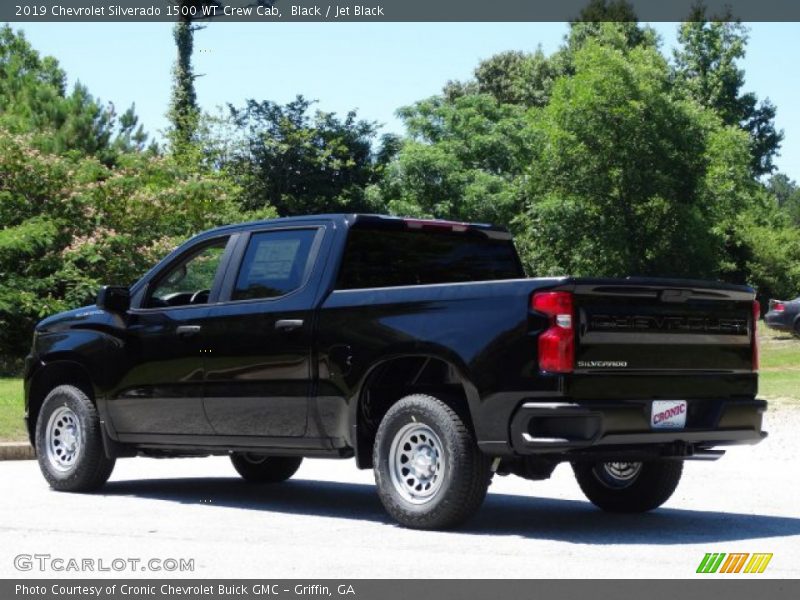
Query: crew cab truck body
x=418, y=347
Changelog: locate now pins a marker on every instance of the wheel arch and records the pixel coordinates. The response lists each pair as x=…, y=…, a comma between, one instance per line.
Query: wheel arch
x=60, y=371
x=394, y=377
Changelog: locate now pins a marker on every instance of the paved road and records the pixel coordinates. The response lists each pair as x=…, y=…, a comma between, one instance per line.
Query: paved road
x=328, y=522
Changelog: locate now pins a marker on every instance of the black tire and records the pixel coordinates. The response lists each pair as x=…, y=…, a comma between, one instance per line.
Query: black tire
x=456, y=482
x=85, y=467
x=259, y=468
x=648, y=489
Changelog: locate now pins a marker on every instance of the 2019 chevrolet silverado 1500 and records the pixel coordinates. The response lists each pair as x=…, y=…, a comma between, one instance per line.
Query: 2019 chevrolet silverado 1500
x=418, y=347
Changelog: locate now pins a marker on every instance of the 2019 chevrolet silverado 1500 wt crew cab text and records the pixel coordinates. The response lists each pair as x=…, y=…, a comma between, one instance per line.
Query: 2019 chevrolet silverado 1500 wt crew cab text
x=418, y=347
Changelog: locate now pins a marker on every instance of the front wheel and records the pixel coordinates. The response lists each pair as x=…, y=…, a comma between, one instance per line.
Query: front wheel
x=428, y=468
x=259, y=468
x=69, y=443
x=628, y=487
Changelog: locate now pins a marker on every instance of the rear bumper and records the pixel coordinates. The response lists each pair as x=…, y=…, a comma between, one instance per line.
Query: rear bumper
x=540, y=427
x=781, y=321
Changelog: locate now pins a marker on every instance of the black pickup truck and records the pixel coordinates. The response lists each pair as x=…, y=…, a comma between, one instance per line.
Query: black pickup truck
x=418, y=347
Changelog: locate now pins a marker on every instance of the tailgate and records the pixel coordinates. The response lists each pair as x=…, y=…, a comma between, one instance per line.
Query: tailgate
x=632, y=334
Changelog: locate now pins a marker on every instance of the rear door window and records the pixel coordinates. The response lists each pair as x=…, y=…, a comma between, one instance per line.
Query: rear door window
x=275, y=264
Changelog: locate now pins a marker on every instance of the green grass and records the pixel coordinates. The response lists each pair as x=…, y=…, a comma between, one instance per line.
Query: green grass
x=12, y=427
x=779, y=382
x=779, y=379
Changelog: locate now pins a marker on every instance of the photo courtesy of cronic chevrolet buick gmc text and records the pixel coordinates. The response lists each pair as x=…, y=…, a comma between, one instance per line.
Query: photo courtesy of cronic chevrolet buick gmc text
x=418, y=347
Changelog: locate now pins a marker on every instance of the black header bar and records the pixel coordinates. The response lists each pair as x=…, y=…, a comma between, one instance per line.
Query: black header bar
x=376, y=11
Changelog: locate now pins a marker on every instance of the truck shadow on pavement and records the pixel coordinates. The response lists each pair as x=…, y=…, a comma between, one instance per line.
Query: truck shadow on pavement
x=501, y=514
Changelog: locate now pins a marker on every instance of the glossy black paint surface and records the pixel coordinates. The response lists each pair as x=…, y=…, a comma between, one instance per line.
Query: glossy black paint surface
x=287, y=373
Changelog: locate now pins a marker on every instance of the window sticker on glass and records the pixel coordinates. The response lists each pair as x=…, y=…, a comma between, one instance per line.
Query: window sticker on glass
x=274, y=263
x=274, y=259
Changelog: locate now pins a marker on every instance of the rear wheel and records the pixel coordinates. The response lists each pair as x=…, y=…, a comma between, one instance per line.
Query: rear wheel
x=429, y=471
x=628, y=487
x=69, y=442
x=260, y=468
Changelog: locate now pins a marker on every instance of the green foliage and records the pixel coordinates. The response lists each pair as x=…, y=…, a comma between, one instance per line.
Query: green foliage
x=625, y=181
x=706, y=70
x=183, y=112
x=604, y=158
x=527, y=79
x=34, y=100
x=302, y=163
x=787, y=197
x=610, y=23
x=70, y=224
x=768, y=249
x=517, y=77
x=462, y=160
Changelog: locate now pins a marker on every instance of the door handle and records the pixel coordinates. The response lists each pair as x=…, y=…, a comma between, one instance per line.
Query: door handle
x=187, y=330
x=288, y=324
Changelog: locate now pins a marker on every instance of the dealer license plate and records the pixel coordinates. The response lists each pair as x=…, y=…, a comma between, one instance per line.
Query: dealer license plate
x=668, y=414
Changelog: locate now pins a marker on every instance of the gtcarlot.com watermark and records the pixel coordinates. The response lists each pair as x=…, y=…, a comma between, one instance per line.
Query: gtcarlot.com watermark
x=45, y=563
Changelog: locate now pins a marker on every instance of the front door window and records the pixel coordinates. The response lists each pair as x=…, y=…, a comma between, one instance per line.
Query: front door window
x=190, y=281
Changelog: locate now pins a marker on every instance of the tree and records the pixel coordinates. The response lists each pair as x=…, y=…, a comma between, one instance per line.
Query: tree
x=608, y=21
x=786, y=195
x=184, y=113
x=768, y=251
x=302, y=163
x=526, y=79
x=706, y=70
x=517, y=77
x=462, y=160
x=34, y=100
x=71, y=223
x=628, y=180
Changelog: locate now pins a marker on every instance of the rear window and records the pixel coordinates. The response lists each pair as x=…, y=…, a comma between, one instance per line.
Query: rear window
x=391, y=258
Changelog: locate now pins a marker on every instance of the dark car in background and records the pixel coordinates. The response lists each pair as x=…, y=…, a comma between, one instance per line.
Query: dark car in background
x=784, y=315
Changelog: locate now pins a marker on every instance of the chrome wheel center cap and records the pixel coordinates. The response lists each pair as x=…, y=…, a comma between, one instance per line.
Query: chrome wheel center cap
x=70, y=438
x=424, y=461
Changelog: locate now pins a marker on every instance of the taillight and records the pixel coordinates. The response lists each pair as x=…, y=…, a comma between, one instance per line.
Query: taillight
x=436, y=224
x=557, y=342
x=778, y=307
x=756, y=317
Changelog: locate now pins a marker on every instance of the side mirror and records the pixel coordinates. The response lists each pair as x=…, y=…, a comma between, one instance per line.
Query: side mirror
x=113, y=298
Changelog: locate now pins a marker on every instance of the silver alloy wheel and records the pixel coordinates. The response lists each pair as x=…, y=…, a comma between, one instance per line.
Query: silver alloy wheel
x=617, y=475
x=416, y=463
x=63, y=439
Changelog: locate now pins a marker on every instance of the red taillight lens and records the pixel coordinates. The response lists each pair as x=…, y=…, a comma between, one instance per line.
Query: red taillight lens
x=778, y=307
x=436, y=224
x=756, y=317
x=557, y=342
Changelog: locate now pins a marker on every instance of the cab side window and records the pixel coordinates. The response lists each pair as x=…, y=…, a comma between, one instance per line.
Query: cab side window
x=190, y=281
x=274, y=264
